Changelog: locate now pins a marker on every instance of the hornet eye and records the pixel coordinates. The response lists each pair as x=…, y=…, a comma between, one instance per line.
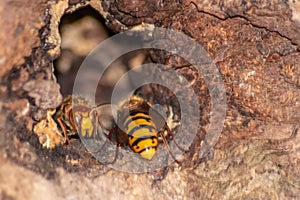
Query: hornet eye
x=77, y=118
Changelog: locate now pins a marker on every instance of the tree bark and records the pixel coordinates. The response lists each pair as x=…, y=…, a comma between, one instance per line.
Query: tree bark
x=255, y=45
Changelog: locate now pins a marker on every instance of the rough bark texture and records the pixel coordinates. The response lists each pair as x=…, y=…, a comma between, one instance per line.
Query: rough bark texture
x=254, y=44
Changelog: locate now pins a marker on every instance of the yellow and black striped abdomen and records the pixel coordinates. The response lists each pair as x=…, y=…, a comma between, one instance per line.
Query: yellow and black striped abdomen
x=142, y=134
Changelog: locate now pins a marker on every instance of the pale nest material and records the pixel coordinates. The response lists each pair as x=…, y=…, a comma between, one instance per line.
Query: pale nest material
x=48, y=133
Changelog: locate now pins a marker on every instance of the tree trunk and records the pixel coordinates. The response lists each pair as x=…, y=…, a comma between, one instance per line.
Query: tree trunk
x=254, y=45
